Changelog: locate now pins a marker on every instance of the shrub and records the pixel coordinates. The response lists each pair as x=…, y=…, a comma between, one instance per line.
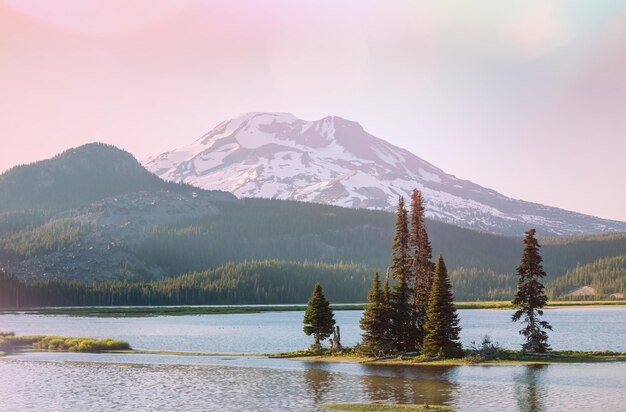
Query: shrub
x=485, y=350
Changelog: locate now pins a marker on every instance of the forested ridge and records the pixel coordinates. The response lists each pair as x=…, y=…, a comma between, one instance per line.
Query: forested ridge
x=257, y=229
x=55, y=217
x=75, y=178
x=285, y=234
x=606, y=276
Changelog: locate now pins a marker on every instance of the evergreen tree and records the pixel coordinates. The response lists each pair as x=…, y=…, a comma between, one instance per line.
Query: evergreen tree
x=401, y=294
x=442, y=322
x=389, y=309
x=421, y=267
x=318, y=317
x=531, y=298
x=401, y=316
x=375, y=321
x=400, y=259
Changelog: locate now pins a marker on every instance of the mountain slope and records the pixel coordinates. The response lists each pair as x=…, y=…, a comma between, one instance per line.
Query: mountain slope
x=154, y=230
x=75, y=178
x=81, y=214
x=334, y=161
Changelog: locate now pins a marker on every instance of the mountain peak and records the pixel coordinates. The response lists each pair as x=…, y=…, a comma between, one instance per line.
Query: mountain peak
x=335, y=161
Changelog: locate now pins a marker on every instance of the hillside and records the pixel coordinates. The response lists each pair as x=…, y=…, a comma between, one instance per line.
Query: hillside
x=145, y=230
x=75, y=178
x=335, y=161
x=605, y=276
x=80, y=214
x=133, y=238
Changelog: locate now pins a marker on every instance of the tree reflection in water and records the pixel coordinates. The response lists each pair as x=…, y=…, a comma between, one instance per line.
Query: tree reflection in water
x=320, y=382
x=413, y=385
x=530, y=390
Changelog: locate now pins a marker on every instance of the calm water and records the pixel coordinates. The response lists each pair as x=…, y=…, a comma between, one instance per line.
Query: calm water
x=271, y=332
x=84, y=382
x=74, y=382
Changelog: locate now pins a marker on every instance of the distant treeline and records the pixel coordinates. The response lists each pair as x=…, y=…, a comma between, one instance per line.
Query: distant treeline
x=471, y=284
x=284, y=282
x=606, y=276
x=258, y=282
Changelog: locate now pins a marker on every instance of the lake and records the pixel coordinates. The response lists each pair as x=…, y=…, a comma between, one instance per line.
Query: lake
x=271, y=332
x=87, y=382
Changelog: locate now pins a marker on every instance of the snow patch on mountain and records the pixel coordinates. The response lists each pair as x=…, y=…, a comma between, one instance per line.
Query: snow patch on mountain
x=335, y=161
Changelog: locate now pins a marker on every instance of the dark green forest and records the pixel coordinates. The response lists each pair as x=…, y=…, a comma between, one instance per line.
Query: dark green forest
x=259, y=282
x=278, y=282
x=48, y=238
x=606, y=276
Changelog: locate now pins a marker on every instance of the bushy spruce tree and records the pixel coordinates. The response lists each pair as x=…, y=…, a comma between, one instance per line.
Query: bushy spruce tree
x=422, y=267
x=375, y=321
x=318, y=317
x=531, y=297
x=401, y=293
x=442, y=322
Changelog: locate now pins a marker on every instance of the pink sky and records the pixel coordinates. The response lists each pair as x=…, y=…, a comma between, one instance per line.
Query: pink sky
x=528, y=98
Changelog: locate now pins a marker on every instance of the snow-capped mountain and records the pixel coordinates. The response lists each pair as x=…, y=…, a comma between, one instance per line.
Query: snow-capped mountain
x=334, y=161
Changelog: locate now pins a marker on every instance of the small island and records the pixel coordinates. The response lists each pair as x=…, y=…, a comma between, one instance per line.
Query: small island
x=10, y=343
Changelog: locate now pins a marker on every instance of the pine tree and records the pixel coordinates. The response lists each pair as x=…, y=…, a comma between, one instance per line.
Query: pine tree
x=421, y=267
x=401, y=270
x=375, y=321
x=442, y=322
x=400, y=259
x=531, y=297
x=318, y=317
x=401, y=316
x=388, y=308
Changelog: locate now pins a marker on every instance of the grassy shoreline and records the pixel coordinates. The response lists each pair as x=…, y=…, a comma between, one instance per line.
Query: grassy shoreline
x=383, y=407
x=508, y=357
x=148, y=311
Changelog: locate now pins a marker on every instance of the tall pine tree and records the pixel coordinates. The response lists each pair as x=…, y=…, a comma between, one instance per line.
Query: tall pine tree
x=318, y=317
x=389, y=308
x=531, y=297
x=401, y=293
x=375, y=321
x=421, y=267
x=442, y=322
